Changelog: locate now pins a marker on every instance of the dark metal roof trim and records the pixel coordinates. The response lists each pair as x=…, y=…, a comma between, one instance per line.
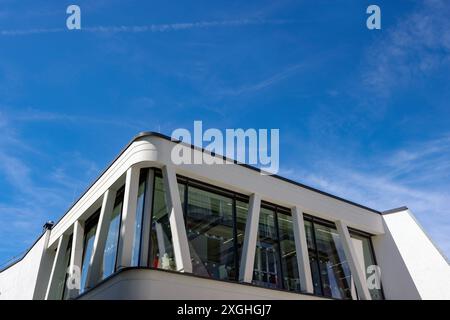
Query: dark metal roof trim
x=395, y=210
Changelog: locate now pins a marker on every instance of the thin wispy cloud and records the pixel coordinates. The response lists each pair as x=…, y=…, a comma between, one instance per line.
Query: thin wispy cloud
x=33, y=115
x=416, y=46
x=263, y=84
x=30, y=196
x=152, y=28
x=380, y=185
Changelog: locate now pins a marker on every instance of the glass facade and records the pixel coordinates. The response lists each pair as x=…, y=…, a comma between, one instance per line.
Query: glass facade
x=330, y=271
x=289, y=266
x=135, y=259
x=215, y=225
x=267, y=267
x=161, y=251
x=215, y=222
x=241, y=220
x=112, y=240
x=209, y=226
x=89, y=237
x=63, y=280
x=275, y=256
x=364, y=252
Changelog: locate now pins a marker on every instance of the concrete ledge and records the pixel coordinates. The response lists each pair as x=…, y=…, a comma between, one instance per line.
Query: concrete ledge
x=152, y=284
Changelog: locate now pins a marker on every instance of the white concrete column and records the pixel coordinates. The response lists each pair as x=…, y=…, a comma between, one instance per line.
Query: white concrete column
x=301, y=247
x=250, y=238
x=358, y=274
x=146, y=221
x=76, y=258
x=94, y=272
x=176, y=219
x=58, y=269
x=128, y=225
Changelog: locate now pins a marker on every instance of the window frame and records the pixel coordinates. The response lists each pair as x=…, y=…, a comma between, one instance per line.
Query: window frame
x=372, y=251
x=203, y=186
x=88, y=225
x=234, y=196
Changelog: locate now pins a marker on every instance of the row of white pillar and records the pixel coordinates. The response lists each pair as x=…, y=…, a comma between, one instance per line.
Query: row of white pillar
x=179, y=238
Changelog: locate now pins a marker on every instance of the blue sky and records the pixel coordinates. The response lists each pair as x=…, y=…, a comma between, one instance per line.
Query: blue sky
x=362, y=114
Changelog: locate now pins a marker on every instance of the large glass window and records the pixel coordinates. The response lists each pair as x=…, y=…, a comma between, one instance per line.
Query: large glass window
x=112, y=239
x=364, y=254
x=331, y=273
x=161, y=249
x=89, y=237
x=139, y=218
x=215, y=226
x=312, y=252
x=267, y=269
x=62, y=287
x=209, y=225
x=241, y=219
x=291, y=279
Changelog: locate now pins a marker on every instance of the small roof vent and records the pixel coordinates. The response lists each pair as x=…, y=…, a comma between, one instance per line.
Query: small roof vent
x=48, y=225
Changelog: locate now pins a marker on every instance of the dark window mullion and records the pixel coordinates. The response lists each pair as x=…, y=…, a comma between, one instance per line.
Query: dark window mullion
x=279, y=248
x=186, y=199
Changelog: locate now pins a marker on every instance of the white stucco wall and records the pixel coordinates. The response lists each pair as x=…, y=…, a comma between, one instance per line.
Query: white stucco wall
x=411, y=266
x=18, y=281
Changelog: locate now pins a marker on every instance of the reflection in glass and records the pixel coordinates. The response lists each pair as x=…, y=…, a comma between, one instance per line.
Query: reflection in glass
x=288, y=254
x=139, y=217
x=241, y=219
x=267, y=260
x=364, y=253
x=89, y=237
x=315, y=273
x=209, y=226
x=329, y=267
x=161, y=250
x=112, y=240
x=61, y=287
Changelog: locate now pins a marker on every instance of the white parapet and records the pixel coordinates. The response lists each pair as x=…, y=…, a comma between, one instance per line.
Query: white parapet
x=411, y=265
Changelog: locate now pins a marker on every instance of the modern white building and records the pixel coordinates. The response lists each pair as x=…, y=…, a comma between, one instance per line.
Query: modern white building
x=147, y=229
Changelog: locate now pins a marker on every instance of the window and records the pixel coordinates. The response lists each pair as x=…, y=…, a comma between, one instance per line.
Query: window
x=215, y=227
x=112, y=239
x=312, y=252
x=63, y=280
x=161, y=250
x=89, y=237
x=139, y=218
x=329, y=267
x=289, y=266
x=241, y=219
x=267, y=269
x=276, y=258
x=209, y=226
x=364, y=253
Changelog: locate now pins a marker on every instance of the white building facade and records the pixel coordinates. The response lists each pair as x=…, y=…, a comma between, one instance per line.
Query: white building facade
x=147, y=229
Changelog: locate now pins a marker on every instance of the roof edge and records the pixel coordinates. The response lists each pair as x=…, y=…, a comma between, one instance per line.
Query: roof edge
x=144, y=134
x=395, y=210
x=163, y=136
